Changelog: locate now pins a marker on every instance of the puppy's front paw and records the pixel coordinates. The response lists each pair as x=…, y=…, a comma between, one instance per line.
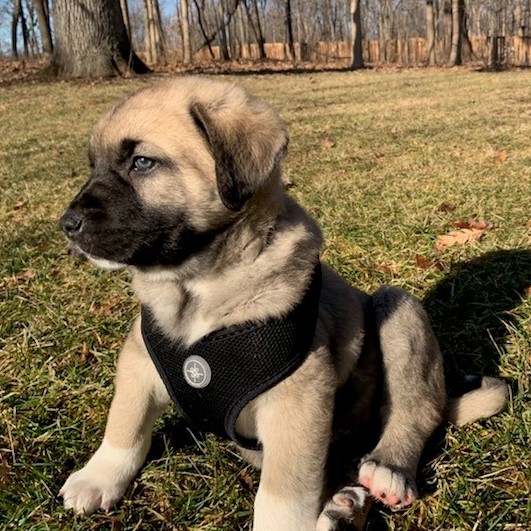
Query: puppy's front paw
x=103, y=480
x=90, y=489
x=388, y=485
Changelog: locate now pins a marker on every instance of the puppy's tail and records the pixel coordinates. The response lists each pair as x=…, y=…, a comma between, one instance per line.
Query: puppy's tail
x=488, y=398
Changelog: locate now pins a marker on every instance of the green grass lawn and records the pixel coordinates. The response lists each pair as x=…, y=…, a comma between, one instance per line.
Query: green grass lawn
x=374, y=156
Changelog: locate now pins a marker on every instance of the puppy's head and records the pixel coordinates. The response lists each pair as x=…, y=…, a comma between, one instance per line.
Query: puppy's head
x=172, y=166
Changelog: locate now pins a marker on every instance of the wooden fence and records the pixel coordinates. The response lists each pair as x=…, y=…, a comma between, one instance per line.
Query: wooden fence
x=494, y=51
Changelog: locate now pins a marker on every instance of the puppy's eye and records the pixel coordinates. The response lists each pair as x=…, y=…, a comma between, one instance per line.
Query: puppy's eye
x=143, y=164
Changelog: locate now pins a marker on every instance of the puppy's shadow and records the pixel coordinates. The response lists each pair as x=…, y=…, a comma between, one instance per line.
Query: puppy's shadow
x=470, y=310
x=174, y=434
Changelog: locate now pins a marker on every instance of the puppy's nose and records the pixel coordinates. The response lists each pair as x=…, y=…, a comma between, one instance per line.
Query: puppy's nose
x=71, y=223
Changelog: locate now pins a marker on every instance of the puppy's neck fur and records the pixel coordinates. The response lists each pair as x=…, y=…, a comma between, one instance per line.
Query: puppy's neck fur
x=255, y=269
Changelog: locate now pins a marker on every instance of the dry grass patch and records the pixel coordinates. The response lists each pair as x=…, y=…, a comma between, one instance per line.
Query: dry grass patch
x=373, y=156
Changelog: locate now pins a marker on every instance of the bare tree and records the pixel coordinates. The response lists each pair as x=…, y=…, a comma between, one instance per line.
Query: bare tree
x=289, y=29
x=461, y=48
x=185, y=21
x=43, y=19
x=430, y=32
x=357, y=50
x=125, y=14
x=221, y=23
x=245, y=48
x=154, y=36
x=18, y=16
x=91, y=40
x=257, y=29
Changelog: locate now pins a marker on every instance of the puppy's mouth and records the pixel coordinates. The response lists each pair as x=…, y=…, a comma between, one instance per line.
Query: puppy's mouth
x=103, y=263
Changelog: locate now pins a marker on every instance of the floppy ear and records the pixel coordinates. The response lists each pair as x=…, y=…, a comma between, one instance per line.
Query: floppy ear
x=247, y=141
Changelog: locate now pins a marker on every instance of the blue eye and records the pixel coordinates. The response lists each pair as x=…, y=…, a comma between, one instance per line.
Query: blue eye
x=143, y=164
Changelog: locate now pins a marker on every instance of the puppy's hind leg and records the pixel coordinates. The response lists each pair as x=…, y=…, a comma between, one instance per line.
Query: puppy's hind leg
x=346, y=511
x=414, y=396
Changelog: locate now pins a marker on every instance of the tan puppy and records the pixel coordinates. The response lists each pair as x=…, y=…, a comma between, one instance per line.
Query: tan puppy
x=186, y=190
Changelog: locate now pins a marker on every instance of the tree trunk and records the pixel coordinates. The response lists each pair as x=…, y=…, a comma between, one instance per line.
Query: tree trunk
x=257, y=30
x=91, y=40
x=385, y=29
x=455, y=51
x=14, y=26
x=289, y=29
x=125, y=14
x=154, y=38
x=430, y=33
x=161, y=39
x=245, y=47
x=221, y=23
x=149, y=34
x=18, y=14
x=461, y=48
x=33, y=41
x=357, y=51
x=43, y=20
x=187, y=48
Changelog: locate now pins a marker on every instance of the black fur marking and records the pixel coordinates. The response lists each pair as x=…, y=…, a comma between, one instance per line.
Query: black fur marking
x=126, y=150
x=118, y=227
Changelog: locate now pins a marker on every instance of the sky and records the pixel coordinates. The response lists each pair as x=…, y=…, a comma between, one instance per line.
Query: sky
x=167, y=6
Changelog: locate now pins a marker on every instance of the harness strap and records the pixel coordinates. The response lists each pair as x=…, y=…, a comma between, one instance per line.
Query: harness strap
x=212, y=380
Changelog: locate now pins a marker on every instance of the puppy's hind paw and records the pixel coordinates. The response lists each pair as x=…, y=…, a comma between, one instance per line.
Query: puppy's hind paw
x=346, y=511
x=388, y=485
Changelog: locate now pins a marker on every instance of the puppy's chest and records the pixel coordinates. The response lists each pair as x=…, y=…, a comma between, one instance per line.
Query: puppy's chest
x=213, y=378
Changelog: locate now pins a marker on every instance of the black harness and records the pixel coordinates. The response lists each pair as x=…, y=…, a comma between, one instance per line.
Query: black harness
x=212, y=380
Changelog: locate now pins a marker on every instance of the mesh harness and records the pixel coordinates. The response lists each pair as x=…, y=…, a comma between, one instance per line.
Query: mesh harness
x=212, y=380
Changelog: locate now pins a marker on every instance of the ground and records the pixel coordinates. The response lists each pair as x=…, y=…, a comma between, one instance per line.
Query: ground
x=388, y=162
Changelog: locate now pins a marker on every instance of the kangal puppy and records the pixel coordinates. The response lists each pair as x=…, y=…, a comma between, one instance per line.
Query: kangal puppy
x=241, y=325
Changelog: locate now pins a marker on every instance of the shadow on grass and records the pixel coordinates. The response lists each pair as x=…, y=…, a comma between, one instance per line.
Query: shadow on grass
x=471, y=307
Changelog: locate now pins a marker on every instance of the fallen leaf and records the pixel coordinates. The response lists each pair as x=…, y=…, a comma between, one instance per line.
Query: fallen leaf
x=458, y=237
x=426, y=263
x=246, y=481
x=446, y=207
x=382, y=268
x=423, y=262
x=473, y=223
x=327, y=143
x=25, y=276
x=501, y=156
x=106, y=307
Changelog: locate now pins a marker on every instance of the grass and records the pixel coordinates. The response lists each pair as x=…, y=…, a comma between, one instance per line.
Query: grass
x=372, y=155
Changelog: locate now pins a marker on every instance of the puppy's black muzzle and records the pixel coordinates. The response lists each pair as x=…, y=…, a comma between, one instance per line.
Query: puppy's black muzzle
x=72, y=223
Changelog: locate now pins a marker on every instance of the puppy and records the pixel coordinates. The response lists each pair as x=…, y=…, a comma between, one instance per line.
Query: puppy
x=241, y=325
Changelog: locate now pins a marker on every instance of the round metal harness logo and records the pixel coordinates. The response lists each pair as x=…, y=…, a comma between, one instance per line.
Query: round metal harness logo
x=196, y=372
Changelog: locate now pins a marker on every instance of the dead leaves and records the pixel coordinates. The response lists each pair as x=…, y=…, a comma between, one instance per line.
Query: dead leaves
x=465, y=232
x=458, y=237
x=327, y=143
x=501, y=156
x=426, y=263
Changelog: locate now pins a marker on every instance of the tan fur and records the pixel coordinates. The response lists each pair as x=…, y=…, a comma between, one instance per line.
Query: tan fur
x=258, y=269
